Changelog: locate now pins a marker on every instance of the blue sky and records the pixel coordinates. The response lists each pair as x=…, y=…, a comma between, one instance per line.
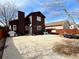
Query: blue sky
x=49, y=8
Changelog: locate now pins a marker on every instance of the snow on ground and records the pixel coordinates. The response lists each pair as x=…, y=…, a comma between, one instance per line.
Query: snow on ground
x=33, y=47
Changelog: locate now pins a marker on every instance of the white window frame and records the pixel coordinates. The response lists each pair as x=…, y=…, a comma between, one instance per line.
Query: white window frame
x=14, y=27
x=39, y=27
x=10, y=27
x=30, y=19
x=38, y=18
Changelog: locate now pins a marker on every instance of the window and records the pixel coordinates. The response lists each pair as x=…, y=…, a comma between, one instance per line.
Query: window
x=39, y=28
x=30, y=19
x=14, y=27
x=26, y=28
x=10, y=27
x=38, y=18
x=72, y=27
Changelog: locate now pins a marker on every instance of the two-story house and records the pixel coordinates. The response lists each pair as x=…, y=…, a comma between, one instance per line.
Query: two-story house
x=34, y=23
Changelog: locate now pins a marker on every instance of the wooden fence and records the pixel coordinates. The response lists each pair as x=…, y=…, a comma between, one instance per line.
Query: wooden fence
x=3, y=33
x=62, y=31
x=69, y=31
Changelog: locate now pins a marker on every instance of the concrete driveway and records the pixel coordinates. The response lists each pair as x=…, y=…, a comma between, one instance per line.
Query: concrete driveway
x=32, y=47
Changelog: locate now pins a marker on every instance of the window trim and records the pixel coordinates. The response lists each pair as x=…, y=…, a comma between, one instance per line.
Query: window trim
x=38, y=18
x=10, y=27
x=14, y=27
x=30, y=19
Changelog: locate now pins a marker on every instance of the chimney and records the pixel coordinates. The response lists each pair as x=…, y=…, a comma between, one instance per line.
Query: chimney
x=21, y=14
x=21, y=24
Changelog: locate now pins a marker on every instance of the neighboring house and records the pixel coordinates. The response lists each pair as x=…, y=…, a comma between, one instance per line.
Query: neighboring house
x=58, y=25
x=53, y=26
x=34, y=23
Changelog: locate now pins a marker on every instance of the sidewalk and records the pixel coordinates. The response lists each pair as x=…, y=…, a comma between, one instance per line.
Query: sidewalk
x=2, y=44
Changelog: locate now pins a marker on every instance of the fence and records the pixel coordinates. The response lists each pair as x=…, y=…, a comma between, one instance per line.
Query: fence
x=62, y=31
x=69, y=31
x=3, y=33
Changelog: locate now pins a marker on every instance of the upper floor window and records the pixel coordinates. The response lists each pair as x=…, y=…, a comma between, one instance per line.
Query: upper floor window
x=14, y=27
x=38, y=18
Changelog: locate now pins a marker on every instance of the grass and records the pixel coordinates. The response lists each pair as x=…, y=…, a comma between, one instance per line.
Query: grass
x=67, y=47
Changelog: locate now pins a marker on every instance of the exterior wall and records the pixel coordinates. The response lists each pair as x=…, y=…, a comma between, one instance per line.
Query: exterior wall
x=14, y=23
x=27, y=22
x=3, y=33
x=30, y=25
x=21, y=22
x=50, y=31
x=55, y=27
x=36, y=23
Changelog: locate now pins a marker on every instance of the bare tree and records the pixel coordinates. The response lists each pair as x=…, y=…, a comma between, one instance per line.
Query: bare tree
x=58, y=5
x=8, y=11
x=77, y=1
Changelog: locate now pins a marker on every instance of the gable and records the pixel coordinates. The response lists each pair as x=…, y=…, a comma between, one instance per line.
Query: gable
x=13, y=22
x=36, y=13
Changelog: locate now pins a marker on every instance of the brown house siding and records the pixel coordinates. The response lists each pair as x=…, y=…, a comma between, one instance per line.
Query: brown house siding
x=36, y=23
x=15, y=22
x=21, y=22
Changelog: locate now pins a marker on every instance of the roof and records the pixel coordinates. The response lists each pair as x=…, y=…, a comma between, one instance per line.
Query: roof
x=59, y=23
x=13, y=21
x=35, y=13
x=27, y=16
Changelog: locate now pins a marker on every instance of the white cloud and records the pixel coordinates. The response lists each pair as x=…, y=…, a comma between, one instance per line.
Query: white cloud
x=59, y=20
x=18, y=3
